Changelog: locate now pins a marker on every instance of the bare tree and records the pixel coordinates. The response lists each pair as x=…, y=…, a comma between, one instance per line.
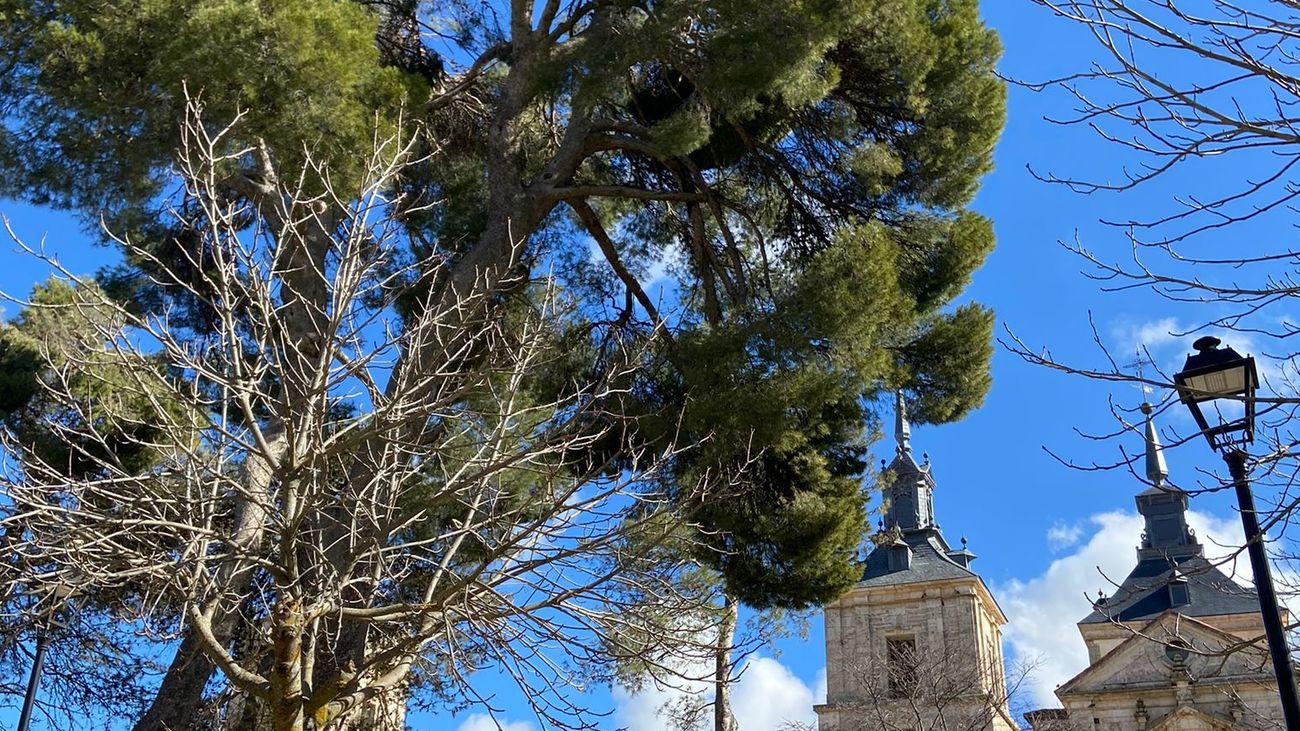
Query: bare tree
x=1200, y=97
x=305, y=489
x=1178, y=83
x=1205, y=88
x=928, y=689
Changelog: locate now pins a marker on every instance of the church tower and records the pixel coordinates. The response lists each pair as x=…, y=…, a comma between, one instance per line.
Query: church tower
x=1178, y=646
x=917, y=643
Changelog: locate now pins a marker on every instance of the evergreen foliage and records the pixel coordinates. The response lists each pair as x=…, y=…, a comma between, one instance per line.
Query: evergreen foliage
x=61, y=336
x=103, y=89
x=805, y=166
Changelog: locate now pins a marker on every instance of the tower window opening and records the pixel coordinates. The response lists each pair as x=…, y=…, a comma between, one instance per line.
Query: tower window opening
x=902, y=667
x=1178, y=595
x=900, y=557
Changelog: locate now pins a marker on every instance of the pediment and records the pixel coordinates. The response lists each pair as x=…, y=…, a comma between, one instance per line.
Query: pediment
x=1149, y=658
x=1190, y=719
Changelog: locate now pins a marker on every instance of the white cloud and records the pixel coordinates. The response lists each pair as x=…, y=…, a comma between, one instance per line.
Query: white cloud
x=484, y=722
x=769, y=695
x=659, y=268
x=1063, y=535
x=650, y=271
x=640, y=711
x=1155, y=336
x=764, y=699
x=1168, y=341
x=1043, y=611
x=1134, y=345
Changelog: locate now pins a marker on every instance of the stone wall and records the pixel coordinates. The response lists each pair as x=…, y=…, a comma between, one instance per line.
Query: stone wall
x=957, y=630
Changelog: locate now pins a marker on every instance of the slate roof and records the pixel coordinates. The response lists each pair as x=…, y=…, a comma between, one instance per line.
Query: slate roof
x=1145, y=593
x=929, y=562
x=910, y=520
x=1169, y=545
x=905, y=466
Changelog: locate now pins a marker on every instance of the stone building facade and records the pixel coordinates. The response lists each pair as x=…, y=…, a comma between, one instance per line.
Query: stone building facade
x=1179, y=645
x=916, y=645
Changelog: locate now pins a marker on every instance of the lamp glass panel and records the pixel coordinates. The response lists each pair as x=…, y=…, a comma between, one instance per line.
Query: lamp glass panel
x=1224, y=382
x=1227, y=414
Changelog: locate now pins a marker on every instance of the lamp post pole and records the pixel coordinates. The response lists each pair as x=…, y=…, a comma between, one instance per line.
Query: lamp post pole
x=33, y=681
x=1277, y=643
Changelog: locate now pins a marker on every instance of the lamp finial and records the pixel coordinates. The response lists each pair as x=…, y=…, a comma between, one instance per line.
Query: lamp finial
x=1206, y=342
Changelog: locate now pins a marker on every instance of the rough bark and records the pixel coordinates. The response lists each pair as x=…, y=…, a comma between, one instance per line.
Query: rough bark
x=288, y=702
x=723, y=718
x=177, y=703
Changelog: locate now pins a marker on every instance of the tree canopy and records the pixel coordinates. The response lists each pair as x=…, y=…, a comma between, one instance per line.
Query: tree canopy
x=801, y=170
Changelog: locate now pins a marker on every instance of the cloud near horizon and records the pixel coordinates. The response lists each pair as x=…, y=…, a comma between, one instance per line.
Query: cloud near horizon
x=1090, y=554
x=484, y=722
x=766, y=698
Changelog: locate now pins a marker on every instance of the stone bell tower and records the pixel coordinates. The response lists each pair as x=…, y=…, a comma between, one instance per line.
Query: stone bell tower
x=1178, y=646
x=917, y=643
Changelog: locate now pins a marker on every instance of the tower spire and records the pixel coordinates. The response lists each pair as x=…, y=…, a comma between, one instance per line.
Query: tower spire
x=911, y=503
x=902, y=430
x=1163, y=507
x=1157, y=470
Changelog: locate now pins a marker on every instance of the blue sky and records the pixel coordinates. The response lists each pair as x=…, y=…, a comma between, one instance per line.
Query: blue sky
x=1040, y=529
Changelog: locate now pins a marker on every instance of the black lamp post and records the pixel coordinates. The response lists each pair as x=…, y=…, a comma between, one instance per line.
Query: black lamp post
x=64, y=594
x=33, y=682
x=1222, y=374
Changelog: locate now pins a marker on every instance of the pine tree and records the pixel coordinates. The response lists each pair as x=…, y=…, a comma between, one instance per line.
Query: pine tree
x=803, y=167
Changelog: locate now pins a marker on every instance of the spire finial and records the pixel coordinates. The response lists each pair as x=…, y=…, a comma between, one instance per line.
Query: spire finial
x=902, y=430
x=1157, y=470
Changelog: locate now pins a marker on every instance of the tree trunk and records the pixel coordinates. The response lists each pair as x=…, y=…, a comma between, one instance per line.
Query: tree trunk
x=180, y=697
x=723, y=719
x=177, y=702
x=287, y=701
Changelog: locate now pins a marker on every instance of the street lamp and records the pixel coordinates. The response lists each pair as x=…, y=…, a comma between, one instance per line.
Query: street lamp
x=63, y=593
x=1213, y=375
x=33, y=681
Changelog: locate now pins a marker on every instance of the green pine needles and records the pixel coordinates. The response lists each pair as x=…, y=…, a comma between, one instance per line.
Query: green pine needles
x=738, y=222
